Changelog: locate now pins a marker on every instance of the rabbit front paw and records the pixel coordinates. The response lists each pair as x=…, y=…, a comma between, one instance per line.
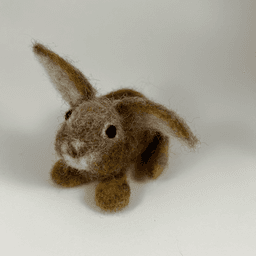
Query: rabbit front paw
x=66, y=176
x=113, y=195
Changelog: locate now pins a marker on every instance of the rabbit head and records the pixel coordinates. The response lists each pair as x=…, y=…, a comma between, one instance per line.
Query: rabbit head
x=91, y=130
x=101, y=134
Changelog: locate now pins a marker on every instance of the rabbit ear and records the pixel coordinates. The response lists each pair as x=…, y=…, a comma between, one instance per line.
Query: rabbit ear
x=67, y=79
x=156, y=116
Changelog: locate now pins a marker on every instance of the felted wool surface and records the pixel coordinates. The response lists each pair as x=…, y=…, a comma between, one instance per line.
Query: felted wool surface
x=101, y=137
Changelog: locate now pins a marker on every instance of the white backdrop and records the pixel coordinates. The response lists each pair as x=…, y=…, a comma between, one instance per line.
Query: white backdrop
x=196, y=57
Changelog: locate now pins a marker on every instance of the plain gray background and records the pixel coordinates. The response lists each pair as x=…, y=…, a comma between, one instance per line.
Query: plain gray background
x=196, y=57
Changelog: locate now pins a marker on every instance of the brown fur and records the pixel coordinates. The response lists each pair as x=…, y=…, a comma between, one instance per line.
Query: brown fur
x=105, y=135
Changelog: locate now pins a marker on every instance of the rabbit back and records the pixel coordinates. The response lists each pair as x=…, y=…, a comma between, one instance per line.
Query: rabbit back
x=122, y=93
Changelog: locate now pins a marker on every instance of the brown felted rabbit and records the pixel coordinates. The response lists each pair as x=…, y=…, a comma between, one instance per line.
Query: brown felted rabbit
x=102, y=136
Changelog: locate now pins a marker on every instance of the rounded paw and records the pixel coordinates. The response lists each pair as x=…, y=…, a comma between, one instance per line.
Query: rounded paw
x=112, y=195
x=66, y=176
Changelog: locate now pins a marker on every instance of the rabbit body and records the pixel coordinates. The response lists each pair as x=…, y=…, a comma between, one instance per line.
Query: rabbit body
x=102, y=136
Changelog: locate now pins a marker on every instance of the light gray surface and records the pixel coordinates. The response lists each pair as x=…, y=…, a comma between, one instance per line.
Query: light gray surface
x=196, y=57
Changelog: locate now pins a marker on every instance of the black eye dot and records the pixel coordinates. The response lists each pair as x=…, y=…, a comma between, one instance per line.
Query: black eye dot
x=111, y=131
x=68, y=114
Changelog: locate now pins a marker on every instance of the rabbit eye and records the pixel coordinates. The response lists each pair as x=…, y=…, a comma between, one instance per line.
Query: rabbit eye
x=111, y=131
x=68, y=114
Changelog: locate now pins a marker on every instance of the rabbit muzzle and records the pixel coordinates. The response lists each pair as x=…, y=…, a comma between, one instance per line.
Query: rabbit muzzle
x=72, y=156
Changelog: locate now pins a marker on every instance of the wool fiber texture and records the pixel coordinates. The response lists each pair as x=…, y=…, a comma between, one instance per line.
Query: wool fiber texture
x=102, y=137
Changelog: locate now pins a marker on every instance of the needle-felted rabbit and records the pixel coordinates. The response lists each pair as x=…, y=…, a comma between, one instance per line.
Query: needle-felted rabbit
x=102, y=136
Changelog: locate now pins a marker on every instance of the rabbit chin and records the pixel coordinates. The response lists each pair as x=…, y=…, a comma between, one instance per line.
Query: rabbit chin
x=81, y=164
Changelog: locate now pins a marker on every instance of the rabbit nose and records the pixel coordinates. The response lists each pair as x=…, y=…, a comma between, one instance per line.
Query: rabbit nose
x=73, y=151
x=75, y=147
